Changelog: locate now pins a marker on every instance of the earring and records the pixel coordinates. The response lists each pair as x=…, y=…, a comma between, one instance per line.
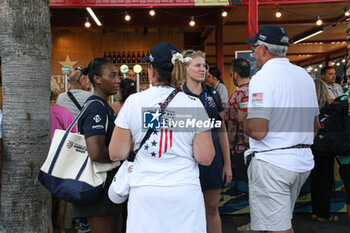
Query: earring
x=150, y=83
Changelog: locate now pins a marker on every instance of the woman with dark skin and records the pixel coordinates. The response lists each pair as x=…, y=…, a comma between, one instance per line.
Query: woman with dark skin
x=97, y=124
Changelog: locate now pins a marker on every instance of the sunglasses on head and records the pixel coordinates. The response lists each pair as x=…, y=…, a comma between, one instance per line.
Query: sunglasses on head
x=81, y=69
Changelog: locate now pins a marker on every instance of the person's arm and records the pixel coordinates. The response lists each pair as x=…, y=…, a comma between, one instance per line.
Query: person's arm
x=316, y=125
x=116, y=107
x=96, y=148
x=120, y=145
x=225, y=150
x=203, y=148
x=256, y=128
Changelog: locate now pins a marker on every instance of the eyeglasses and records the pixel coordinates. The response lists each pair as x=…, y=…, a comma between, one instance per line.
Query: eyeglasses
x=254, y=46
x=189, y=53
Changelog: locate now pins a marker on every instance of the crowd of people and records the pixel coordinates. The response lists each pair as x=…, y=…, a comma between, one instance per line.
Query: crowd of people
x=178, y=174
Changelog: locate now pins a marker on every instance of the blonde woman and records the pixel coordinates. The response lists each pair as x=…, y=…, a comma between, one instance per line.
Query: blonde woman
x=219, y=173
x=165, y=193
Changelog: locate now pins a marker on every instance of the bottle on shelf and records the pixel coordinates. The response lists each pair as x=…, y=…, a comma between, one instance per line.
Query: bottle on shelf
x=105, y=54
x=143, y=76
x=119, y=58
x=143, y=54
x=114, y=58
x=128, y=57
x=138, y=57
x=147, y=78
x=133, y=57
x=147, y=53
x=123, y=58
x=109, y=56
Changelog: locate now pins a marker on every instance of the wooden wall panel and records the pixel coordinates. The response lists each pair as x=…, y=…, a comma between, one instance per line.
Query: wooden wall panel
x=84, y=46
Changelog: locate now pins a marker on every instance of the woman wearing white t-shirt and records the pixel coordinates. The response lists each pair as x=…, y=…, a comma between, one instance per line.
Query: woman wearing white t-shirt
x=165, y=194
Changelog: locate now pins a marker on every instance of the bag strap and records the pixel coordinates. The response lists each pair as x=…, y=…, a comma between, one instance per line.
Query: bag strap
x=71, y=96
x=60, y=146
x=58, y=120
x=132, y=155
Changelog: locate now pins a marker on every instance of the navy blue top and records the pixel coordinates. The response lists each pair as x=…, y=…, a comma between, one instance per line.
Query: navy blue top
x=93, y=121
x=210, y=176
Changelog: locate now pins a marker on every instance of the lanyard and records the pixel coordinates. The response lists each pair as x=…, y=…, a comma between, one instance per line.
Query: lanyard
x=205, y=99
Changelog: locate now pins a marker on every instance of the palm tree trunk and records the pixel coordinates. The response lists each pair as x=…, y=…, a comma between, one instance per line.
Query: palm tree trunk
x=25, y=49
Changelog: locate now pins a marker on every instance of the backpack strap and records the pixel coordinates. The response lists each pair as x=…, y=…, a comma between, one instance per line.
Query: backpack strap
x=71, y=96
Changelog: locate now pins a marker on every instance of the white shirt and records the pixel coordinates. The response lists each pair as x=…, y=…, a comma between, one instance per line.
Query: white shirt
x=166, y=158
x=285, y=95
x=80, y=95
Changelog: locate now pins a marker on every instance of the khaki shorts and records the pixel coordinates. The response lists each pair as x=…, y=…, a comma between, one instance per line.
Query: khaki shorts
x=272, y=195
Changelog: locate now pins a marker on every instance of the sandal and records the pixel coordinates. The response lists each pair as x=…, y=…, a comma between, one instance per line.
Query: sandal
x=244, y=228
x=333, y=218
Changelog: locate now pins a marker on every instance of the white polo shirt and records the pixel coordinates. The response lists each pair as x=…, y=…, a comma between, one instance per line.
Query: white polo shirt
x=285, y=95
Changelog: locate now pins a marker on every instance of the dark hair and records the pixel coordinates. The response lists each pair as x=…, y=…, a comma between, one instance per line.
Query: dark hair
x=127, y=87
x=164, y=77
x=95, y=68
x=241, y=67
x=324, y=69
x=215, y=71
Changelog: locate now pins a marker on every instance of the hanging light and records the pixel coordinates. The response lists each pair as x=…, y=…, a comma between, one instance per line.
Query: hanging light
x=127, y=17
x=343, y=60
x=223, y=13
x=279, y=13
x=320, y=65
x=87, y=24
x=192, y=22
x=338, y=64
x=347, y=12
x=319, y=21
x=152, y=12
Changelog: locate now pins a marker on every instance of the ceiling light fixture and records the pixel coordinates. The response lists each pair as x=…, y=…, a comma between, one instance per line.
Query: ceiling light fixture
x=87, y=24
x=319, y=21
x=279, y=13
x=347, y=12
x=308, y=35
x=192, y=22
x=152, y=12
x=223, y=12
x=127, y=17
x=97, y=21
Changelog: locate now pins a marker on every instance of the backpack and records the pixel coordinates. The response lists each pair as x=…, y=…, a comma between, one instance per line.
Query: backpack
x=333, y=136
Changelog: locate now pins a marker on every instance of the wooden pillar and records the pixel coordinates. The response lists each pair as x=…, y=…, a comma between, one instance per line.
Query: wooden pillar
x=219, y=38
x=252, y=19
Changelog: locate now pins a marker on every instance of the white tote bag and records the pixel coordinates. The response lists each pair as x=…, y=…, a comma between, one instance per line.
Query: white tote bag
x=68, y=172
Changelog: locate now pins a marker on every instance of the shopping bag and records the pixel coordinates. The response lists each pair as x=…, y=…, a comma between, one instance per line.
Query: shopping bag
x=68, y=172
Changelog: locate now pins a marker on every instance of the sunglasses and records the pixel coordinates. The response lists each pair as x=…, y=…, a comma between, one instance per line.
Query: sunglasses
x=80, y=68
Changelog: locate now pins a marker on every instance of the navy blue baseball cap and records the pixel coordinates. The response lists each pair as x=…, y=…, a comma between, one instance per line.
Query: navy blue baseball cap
x=160, y=56
x=271, y=34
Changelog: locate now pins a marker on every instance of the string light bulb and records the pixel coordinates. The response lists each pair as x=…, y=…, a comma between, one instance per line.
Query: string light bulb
x=224, y=13
x=279, y=13
x=343, y=60
x=87, y=24
x=152, y=12
x=127, y=17
x=319, y=21
x=347, y=12
x=192, y=22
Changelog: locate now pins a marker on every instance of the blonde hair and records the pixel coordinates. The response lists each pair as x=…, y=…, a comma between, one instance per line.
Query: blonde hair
x=55, y=90
x=179, y=71
x=321, y=92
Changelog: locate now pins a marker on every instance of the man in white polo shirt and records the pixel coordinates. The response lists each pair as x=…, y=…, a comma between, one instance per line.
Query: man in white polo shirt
x=281, y=122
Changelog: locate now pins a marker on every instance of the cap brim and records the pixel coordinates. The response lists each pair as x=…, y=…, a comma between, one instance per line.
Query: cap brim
x=145, y=59
x=251, y=40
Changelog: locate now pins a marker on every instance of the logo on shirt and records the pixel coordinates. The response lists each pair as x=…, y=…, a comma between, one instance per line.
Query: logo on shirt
x=97, y=118
x=257, y=99
x=151, y=119
x=97, y=127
